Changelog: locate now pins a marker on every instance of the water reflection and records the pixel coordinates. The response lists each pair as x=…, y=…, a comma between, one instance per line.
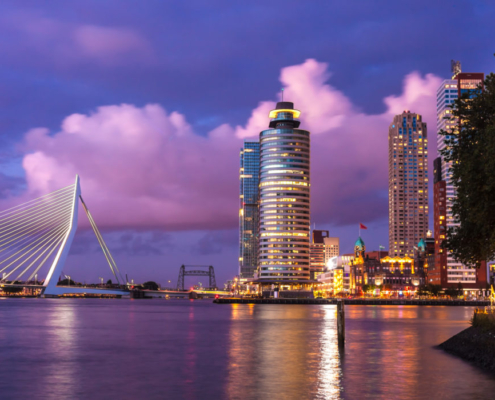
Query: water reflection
x=283, y=352
x=330, y=368
x=390, y=353
x=62, y=344
x=98, y=349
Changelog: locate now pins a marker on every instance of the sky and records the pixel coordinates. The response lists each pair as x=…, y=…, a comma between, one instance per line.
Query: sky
x=149, y=102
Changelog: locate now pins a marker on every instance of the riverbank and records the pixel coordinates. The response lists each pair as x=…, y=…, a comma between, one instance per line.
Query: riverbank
x=398, y=302
x=475, y=345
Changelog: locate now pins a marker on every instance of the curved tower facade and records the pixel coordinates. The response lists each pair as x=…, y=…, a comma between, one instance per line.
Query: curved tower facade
x=284, y=201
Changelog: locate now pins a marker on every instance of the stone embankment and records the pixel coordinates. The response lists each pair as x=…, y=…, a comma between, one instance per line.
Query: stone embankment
x=397, y=302
x=474, y=344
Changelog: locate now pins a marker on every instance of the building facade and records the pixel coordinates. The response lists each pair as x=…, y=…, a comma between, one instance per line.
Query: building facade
x=284, y=242
x=408, y=183
x=317, y=252
x=332, y=248
x=447, y=271
x=437, y=272
x=395, y=276
x=429, y=256
x=248, y=211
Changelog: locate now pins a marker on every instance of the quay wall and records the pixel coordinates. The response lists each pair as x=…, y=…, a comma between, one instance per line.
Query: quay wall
x=465, y=303
x=475, y=345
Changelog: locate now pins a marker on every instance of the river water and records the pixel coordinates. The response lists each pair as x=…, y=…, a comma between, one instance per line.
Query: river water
x=194, y=349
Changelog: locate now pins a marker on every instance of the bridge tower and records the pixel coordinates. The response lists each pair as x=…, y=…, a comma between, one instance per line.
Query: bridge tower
x=196, y=270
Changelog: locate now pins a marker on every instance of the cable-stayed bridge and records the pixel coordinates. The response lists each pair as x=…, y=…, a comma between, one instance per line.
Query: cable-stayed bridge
x=35, y=238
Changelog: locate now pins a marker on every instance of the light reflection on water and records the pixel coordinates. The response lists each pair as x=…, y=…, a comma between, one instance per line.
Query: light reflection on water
x=99, y=349
x=330, y=368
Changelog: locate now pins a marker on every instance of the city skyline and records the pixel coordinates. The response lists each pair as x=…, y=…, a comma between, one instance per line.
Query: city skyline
x=82, y=107
x=247, y=200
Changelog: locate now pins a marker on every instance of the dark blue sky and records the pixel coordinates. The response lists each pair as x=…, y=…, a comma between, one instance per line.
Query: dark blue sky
x=214, y=62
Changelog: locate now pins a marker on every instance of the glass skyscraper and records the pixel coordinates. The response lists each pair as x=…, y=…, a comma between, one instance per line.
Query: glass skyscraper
x=284, y=198
x=248, y=210
x=407, y=183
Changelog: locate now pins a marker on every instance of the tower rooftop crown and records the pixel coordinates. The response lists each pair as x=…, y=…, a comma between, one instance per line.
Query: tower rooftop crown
x=359, y=243
x=285, y=104
x=285, y=107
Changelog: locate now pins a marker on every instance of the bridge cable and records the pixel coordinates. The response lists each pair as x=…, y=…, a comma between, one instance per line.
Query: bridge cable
x=30, y=229
x=63, y=212
x=33, y=251
x=54, y=239
x=101, y=241
x=33, y=212
x=42, y=198
x=26, y=247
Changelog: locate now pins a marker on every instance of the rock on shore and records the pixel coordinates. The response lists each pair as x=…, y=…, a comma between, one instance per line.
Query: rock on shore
x=474, y=345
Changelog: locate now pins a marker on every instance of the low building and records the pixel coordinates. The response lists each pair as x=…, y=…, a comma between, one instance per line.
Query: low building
x=390, y=276
x=335, y=282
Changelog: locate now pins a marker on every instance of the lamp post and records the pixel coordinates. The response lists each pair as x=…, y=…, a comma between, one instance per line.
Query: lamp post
x=101, y=280
x=35, y=279
x=68, y=277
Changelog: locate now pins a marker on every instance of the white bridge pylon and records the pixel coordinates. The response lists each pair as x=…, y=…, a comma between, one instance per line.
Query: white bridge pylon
x=39, y=233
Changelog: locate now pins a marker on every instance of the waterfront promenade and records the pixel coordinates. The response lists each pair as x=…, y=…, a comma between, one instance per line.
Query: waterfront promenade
x=371, y=302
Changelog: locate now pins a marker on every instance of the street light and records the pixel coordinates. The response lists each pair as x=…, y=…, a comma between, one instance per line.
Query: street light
x=101, y=280
x=35, y=279
x=68, y=277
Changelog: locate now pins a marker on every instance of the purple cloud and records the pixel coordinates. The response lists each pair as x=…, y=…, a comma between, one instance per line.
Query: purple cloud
x=146, y=168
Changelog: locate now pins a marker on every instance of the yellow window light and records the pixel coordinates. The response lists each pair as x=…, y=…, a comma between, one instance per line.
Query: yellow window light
x=295, y=113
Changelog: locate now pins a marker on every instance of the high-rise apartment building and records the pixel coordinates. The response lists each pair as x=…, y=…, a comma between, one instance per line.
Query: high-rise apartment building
x=248, y=211
x=447, y=271
x=407, y=183
x=317, y=252
x=284, y=244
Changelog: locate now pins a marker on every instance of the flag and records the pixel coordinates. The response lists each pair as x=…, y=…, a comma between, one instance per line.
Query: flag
x=361, y=226
x=382, y=247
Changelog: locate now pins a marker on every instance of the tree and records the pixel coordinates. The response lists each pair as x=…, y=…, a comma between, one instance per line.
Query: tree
x=150, y=285
x=470, y=147
x=434, y=289
x=109, y=282
x=66, y=282
x=422, y=291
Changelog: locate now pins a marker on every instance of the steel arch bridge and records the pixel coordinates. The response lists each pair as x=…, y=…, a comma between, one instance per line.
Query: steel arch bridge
x=39, y=234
